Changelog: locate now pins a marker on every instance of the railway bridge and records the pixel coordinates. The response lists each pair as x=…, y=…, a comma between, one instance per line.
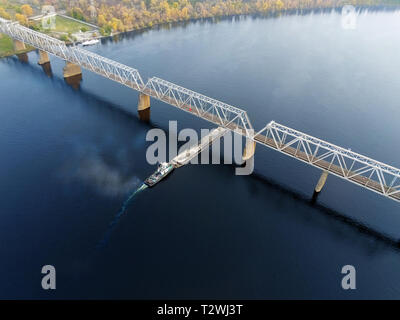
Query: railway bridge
x=329, y=158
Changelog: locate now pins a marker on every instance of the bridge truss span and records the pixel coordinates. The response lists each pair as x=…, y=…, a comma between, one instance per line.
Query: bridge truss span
x=106, y=67
x=344, y=163
x=215, y=111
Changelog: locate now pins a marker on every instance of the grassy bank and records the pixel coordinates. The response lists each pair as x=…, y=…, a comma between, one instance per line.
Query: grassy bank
x=70, y=26
x=7, y=47
x=65, y=25
x=64, y=28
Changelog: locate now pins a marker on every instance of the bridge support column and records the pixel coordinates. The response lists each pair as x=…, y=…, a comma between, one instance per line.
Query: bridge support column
x=43, y=57
x=321, y=181
x=47, y=69
x=71, y=70
x=23, y=57
x=19, y=45
x=249, y=150
x=144, y=107
x=72, y=74
x=247, y=166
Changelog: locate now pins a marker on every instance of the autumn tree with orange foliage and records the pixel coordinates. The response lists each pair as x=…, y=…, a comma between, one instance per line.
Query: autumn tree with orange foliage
x=26, y=10
x=22, y=19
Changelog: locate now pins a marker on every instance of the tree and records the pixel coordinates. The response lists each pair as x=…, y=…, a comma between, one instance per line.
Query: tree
x=26, y=10
x=101, y=21
x=4, y=14
x=107, y=29
x=64, y=37
x=22, y=19
x=185, y=13
x=279, y=5
x=77, y=13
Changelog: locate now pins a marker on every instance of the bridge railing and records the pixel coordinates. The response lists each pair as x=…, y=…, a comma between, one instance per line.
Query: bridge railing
x=372, y=174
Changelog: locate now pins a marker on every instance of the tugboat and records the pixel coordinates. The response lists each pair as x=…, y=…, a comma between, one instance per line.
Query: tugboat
x=163, y=170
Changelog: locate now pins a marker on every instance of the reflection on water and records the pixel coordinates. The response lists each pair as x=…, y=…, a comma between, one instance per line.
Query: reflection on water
x=47, y=69
x=74, y=81
x=342, y=225
x=144, y=115
x=23, y=57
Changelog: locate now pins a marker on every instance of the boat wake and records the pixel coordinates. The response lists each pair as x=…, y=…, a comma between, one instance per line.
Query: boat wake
x=118, y=216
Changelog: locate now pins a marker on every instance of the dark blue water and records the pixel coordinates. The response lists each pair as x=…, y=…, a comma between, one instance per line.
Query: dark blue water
x=71, y=158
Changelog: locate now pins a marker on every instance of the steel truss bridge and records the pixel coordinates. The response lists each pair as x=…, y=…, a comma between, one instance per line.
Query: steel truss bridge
x=363, y=171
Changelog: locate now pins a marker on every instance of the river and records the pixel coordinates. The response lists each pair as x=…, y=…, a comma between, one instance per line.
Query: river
x=70, y=159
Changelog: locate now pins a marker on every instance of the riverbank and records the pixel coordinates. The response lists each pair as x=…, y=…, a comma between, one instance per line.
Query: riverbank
x=7, y=47
x=276, y=14
x=66, y=27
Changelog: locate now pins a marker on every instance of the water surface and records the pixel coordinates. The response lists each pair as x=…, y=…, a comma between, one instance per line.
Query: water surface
x=70, y=158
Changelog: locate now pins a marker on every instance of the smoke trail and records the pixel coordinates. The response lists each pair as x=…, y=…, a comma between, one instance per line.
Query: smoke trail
x=117, y=217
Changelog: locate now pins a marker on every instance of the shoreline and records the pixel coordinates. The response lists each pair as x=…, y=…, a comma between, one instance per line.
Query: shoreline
x=275, y=14
x=9, y=50
x=10, y=54
x=213, y=19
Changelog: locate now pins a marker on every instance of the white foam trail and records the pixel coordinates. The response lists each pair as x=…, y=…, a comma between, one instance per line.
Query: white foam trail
x=117, y=217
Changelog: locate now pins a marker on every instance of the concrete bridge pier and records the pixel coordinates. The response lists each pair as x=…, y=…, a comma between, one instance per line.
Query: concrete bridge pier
x=23, y=57
x=44, y=62
x=19, y=45
x=47, y=69
x=249, y=150
x=71, y=70
x=247, y=166
x=144, y=107
x=43, y=57
x=321, y=181
x=72, y=74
